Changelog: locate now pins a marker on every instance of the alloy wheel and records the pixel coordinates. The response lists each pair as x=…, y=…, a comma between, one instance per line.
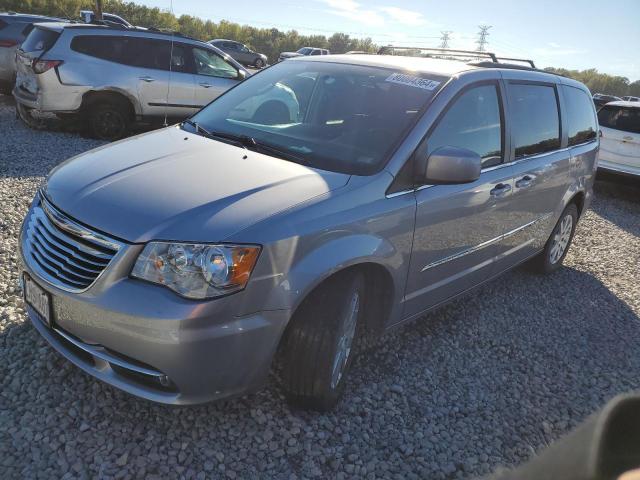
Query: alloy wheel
x=345, y=338
x=561, y=239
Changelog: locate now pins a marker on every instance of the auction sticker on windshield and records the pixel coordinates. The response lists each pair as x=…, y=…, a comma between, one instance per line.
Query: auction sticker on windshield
x=404, y=79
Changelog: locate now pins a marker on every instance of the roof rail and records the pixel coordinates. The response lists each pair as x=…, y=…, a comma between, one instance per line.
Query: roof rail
x=393, y=50
x=524, y=60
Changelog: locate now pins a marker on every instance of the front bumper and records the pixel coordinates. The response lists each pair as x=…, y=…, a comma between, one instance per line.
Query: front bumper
x=148, y=341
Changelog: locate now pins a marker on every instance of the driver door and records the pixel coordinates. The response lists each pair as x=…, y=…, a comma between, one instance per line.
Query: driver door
x=458, y=227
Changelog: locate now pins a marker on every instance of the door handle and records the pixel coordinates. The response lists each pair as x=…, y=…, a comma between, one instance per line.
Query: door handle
x=627, y=138
x=524, y=182
x=206, y=85
x=146, y=79
x=500, y=190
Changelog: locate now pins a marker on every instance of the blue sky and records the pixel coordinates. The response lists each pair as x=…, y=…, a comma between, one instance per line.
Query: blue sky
x=561, y=33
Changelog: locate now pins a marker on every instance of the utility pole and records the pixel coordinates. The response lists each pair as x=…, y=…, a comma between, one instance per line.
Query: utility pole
x=98, y=13
x=482, y=37
x=445, y=39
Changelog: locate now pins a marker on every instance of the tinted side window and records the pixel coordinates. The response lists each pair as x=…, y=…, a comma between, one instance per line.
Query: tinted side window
x=154, y=54
x=473, y=122
x=580, y=116
x=626, y=119
x=114, y=49
x=534, y=119
x=40, y=39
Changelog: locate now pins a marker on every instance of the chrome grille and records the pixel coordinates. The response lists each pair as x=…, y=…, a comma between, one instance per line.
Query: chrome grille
x=63, y=252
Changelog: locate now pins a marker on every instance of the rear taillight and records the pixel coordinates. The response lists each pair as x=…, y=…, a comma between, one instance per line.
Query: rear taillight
x=8, y=43
x=41, y=66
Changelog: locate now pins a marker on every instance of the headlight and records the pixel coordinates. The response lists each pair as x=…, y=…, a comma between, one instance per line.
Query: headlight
x=197, y=270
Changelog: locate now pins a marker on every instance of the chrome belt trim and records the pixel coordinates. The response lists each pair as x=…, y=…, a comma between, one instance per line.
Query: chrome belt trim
x=482, y=245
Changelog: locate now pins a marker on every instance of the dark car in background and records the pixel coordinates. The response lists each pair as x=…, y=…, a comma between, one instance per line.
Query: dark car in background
x=303, y=52
x=600, y=99
x=240, y=52
x=14, y=28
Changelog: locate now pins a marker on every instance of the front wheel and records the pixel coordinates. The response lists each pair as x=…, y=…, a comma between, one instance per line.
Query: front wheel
x=320, y=343
x=259, y=63
x=556, y=248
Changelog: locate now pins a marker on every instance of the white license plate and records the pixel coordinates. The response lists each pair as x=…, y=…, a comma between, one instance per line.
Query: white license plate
x=37, y=298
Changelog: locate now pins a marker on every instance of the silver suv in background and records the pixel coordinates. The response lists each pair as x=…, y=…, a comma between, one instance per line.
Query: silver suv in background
x=175, y=264
x=14, y=28
x=114, y=76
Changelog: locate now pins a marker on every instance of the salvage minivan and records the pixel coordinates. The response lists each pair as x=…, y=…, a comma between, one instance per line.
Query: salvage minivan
x=174, y=265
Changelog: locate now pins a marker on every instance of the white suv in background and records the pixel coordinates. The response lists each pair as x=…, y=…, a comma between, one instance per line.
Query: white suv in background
x=620, y=138
x=113, y=75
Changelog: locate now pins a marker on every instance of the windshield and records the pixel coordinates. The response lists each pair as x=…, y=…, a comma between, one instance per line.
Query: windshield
x=305, y=50
x=332, y=116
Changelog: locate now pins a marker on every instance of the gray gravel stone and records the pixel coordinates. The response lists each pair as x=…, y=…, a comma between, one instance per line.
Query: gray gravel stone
x=488, y=380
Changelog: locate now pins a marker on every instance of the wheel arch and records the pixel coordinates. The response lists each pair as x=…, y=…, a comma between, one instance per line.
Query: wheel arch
x=111, y=95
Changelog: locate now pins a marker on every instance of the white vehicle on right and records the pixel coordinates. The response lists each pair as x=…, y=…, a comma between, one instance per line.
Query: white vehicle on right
x=620, y=138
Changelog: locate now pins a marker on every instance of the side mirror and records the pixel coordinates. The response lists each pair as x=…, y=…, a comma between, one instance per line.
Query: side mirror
x=242, y=74
x=451, y=165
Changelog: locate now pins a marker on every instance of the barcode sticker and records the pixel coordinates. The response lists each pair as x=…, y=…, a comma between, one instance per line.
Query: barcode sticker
x=404, y=79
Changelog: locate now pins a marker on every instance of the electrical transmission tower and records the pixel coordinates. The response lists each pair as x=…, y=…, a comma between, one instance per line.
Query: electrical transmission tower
x=445, y=39
x=482, y=37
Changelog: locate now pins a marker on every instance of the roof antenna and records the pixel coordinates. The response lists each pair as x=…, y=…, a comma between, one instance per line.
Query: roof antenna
x=166, y=103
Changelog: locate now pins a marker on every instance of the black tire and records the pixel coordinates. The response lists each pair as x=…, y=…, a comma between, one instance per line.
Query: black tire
x=108, y=120
x=548, y=260
x=312, y=347
x=66, y=117
x=259, y=63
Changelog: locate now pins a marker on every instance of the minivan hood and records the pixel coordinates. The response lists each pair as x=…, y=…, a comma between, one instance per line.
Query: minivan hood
x=175, y=185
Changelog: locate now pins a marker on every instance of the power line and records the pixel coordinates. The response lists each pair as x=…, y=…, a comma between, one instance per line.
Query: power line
x=445, y=39
x=482, y=37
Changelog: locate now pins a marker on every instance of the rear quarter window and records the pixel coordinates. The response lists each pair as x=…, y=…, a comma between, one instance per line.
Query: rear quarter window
x=626, y=119
x=27, y=30
x=535, y=121
x=581, y=118
x=40, y=39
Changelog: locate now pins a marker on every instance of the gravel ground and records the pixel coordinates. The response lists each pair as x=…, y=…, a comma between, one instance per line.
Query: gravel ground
x=486, y=381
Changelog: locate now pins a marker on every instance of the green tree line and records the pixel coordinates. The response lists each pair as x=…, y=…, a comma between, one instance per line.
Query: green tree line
x=269, y=41
x=601, y=82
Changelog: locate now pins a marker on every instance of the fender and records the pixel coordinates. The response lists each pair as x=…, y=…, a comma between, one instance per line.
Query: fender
x=331, y=257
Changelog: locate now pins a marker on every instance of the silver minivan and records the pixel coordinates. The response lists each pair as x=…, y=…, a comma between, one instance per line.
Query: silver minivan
x=114, y=76
x=321, y=201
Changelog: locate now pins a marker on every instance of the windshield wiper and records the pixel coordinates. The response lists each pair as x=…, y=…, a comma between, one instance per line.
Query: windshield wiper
x=250, y=143
x=277, y=151
x=240, y=140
